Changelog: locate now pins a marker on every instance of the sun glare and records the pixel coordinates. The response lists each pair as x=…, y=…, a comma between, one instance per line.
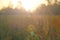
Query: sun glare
x=14, y=3
x=28, y=5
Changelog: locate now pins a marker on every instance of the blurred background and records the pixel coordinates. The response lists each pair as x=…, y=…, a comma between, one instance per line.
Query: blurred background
x=29, y=19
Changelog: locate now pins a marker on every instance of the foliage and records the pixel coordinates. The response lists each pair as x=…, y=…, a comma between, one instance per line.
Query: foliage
x=17, y=27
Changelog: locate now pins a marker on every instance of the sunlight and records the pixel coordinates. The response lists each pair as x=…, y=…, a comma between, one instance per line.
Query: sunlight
x=30, y=5
x=14, y=3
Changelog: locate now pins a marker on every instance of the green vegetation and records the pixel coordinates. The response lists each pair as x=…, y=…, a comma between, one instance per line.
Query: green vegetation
x=43, y=24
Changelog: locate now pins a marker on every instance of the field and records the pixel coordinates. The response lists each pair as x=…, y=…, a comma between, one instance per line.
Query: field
x=17, y=26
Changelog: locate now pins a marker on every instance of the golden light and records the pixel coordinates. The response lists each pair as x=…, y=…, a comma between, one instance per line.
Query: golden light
x=14, y=3
x=30, y=5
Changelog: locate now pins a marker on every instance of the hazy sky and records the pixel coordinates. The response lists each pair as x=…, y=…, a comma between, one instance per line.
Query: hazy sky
x=4, y=3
